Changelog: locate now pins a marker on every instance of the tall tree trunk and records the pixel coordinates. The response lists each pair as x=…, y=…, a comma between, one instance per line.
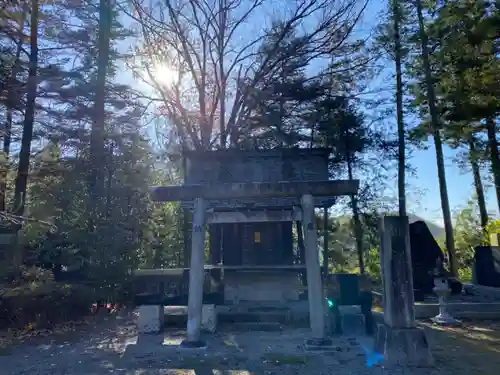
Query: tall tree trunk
x=399, y=109
x=109, y=182
x=494, y=157
x=97, y=152
x=326, y=253
x=358, y=232
x=29, y=116
x=220, y=47
x=11, y=102
x=478, y=183
x=435, y=123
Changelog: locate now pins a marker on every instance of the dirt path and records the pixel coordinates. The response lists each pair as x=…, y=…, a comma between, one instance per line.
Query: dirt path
x=112, y=346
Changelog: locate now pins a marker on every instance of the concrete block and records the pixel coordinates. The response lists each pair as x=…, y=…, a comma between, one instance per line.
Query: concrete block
x=403, y=346
x=151, y=319
x=209, y=318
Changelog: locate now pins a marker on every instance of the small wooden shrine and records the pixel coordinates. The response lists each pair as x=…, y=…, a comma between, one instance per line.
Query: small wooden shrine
x=251, y=239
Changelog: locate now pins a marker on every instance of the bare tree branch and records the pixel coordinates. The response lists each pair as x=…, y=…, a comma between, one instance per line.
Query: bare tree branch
x=219, y=59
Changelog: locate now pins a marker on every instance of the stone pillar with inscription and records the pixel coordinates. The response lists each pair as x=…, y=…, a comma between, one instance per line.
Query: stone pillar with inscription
x=398, y=338
x=196, y=277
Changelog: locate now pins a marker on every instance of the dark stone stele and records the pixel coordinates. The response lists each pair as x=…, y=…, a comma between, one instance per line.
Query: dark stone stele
x=403, y=346
x=199, y=344
x=425, y=255
x=485, y=259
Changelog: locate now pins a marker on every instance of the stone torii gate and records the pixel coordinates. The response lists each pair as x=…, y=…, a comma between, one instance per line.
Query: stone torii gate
x=305, y=190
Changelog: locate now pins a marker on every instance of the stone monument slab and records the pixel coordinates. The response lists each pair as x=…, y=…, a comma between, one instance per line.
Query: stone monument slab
x=398, y=339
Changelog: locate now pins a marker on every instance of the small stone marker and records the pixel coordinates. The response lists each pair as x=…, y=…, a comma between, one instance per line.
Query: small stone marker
x=151, y=319
x=398, y=339
x=209, y=318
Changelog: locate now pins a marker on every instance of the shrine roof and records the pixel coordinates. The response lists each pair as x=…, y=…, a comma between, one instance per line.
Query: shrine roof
x=278, y=152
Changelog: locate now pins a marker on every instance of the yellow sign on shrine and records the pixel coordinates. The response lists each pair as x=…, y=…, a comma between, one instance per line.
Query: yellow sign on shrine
x=256, y=237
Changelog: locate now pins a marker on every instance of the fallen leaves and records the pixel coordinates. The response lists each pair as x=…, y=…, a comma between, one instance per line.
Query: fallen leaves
x=19, y=336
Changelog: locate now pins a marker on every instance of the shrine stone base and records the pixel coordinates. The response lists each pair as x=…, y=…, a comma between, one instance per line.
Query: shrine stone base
x=403, y=346
x=261, y=286
x=152, y=318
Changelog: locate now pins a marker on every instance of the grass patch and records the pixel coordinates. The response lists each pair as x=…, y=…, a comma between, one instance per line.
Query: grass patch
x=284, y=359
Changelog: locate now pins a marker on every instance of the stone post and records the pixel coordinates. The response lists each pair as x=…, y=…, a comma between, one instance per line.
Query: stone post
x=314, y=283
x=395, y=258
x=398, y=338
x=196, y=277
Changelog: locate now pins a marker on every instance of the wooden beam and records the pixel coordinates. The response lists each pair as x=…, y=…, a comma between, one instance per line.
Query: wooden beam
x=255, y=190
x=253, y=216
x=249, y=268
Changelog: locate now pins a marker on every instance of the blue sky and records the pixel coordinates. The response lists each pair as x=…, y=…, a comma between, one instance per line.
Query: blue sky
x=426, y=203
x=460, y=185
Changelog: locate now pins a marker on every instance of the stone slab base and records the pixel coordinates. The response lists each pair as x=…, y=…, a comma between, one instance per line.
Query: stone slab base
x=193, y=345
x=319, y=345
x=445, y=320
x=151, y=319
x=261, y=286
x=403, y=346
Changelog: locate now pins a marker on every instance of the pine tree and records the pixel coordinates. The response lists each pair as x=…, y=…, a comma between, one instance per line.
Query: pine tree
x=29, y=116
x=396, y=15
x=436, y=134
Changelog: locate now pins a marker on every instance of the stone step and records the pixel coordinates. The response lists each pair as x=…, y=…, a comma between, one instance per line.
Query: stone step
x=255, y=316
x=255, y=326
x=177, y=316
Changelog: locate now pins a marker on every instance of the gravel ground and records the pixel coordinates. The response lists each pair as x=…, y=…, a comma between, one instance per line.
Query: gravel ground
x=112, y=347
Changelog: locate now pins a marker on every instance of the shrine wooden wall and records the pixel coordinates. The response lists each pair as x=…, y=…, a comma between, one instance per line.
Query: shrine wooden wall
x=268, y=243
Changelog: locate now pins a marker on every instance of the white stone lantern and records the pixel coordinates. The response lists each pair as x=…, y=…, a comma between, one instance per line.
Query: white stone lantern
x=442, y=290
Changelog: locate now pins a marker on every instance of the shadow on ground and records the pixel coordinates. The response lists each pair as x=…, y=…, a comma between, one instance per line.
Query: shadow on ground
x=113, y=346
x=471, y=348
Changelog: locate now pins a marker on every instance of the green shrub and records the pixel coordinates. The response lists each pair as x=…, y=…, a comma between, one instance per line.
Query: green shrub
x=42, y=304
